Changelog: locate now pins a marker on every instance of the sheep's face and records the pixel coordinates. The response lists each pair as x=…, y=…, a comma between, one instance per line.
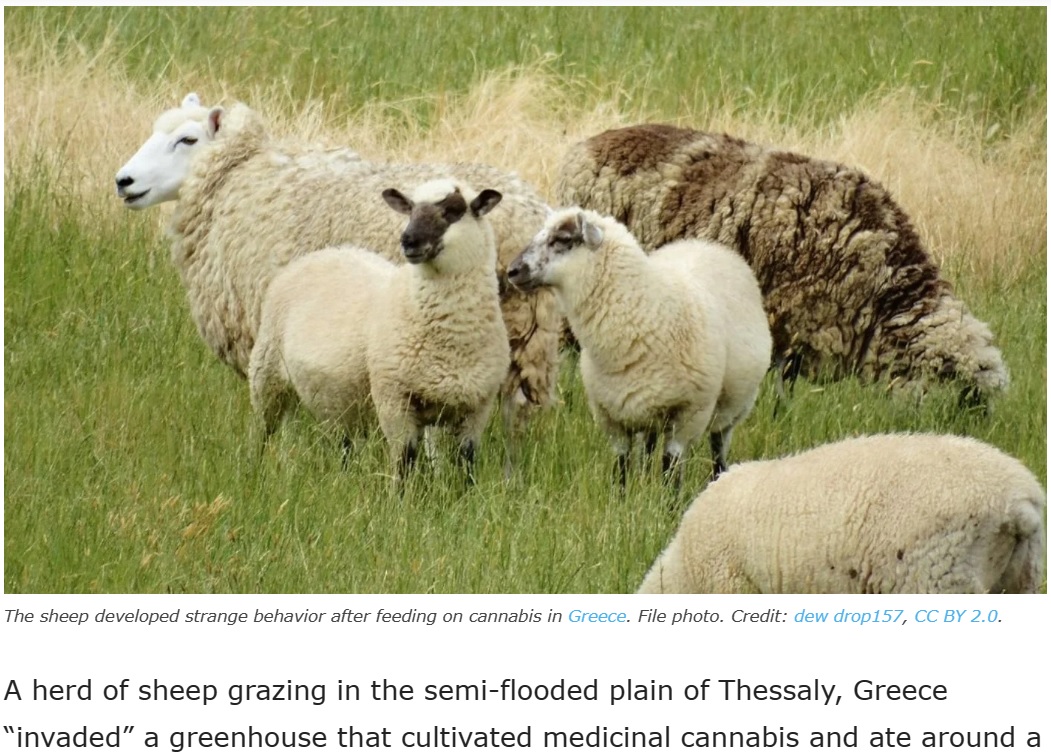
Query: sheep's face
x=563, y=244
x=440, y=217
x=157, y=171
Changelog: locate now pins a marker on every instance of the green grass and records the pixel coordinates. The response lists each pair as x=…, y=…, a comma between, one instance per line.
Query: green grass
x=805, y=61
x=131, y=455
x=132, y=464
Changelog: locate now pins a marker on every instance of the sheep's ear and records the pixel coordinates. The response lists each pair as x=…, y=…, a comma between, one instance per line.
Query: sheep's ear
x=591, y=233
x=485, y=201
x=397, y=201
x=191, y=100
x=215, y=121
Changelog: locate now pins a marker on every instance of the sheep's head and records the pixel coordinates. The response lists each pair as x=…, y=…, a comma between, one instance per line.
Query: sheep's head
x=444, y=214
x=157, y=171
x=564, y=241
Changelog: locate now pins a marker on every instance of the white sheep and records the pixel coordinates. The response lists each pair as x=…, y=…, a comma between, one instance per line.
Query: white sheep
x=353, y=335
x=247, y=205
x=899, y=513
x=846, y=279
x=438, y=352
x=674, y=342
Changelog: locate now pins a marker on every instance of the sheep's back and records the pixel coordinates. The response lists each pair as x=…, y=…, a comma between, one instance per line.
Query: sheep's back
x=835, y=257
x=896, y=513
x=235, y=229
x=318, y=307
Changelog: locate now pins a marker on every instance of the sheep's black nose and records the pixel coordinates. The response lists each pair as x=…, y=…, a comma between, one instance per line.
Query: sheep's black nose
x=517, y=271
x=410, y=240
x=124, y=182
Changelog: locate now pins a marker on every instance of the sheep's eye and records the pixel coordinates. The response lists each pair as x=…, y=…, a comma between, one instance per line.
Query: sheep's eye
x=562, y=241
x=188, y=140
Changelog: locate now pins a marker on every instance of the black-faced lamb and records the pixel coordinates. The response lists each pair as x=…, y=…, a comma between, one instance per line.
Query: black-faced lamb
x=355, y=337
x=438, y=351
x=248, y=204
x=847, y=282
x=675, y=342
x=895, y=513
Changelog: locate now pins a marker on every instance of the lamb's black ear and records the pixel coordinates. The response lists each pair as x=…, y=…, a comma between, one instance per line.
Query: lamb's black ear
x=397, y=201
x=215, y=121
x=589, y=231
x=485, y=201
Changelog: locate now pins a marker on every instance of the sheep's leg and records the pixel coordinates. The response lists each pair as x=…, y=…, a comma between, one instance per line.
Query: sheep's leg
x=720, y=441
x=621, y=441
x=680, y=433
x=619, y=438
x=269, y=388
x=470, y=437
x=346, y=446
x=466, y=452
x=671, y=464
x=407, y=460
x=972, y=398
x=513, y=411
x=620, y=471
x=649, y=446
x=403, y=433
x=788, y=367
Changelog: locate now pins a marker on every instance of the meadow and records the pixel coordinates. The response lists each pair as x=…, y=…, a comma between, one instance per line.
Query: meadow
x=132, y=457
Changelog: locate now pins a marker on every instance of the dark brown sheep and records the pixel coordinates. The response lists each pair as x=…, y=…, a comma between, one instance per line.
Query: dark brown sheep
x=847, y=283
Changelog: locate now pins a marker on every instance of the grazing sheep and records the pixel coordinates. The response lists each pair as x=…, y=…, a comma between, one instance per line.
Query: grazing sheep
x=895, y=513
x=437, y=350
x=247, y=205
x=846, y=280
x=313, y=339
x=674, y=342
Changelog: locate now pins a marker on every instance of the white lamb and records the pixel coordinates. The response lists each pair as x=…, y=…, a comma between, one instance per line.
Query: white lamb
x=674, y=342
x=882, y=514
x=248, y=204
x=425, y=340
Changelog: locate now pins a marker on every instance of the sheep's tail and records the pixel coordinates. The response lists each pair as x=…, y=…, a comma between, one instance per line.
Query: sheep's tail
x=270, y=388
x=1026, y=569
x=948, y=343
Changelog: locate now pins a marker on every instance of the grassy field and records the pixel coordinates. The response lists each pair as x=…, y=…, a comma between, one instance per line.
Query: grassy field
x=131, y=455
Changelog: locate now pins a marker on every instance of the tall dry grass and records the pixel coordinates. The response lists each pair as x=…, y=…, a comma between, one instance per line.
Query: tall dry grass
x=978, y=198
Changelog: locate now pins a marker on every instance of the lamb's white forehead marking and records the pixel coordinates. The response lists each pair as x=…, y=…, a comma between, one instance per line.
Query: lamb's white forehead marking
x=435, y=190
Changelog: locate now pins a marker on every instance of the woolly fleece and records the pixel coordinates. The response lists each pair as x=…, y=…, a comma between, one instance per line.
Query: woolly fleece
x=847, y=282
x=881, y=514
